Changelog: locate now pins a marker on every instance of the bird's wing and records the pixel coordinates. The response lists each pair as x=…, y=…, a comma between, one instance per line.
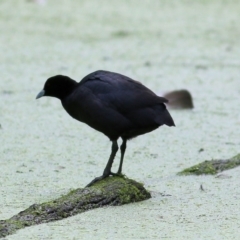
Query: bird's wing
x=120, y=92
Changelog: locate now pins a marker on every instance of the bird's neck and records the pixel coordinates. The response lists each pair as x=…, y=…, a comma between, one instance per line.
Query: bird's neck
x=67, y=89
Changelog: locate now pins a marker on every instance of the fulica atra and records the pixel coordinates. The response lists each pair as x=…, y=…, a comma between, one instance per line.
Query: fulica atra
x=110, y=103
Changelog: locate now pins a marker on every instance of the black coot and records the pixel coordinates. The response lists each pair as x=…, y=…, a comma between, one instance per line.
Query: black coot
x=112, y=104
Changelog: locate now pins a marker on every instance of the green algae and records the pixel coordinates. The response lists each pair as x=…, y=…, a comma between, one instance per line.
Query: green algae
x=212, y=167
x=112, y=191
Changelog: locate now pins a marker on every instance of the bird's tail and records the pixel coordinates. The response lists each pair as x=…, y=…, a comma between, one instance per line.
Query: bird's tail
x=168, y=119
x=164, y=117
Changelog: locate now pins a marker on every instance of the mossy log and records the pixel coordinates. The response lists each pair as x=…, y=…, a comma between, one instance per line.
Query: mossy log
x=212, y=167
x=112, y=191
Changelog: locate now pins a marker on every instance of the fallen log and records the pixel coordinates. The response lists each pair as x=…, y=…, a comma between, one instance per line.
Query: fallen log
x=112, y=191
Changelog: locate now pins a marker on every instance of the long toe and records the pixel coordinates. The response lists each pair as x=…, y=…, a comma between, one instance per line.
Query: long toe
x=97, y=179
x=113, y=174
x=116, y=174
x=119, y=173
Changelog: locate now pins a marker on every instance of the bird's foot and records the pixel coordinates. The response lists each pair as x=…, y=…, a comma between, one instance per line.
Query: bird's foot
x=97, y=179
x=117, y=174
x=113, y=174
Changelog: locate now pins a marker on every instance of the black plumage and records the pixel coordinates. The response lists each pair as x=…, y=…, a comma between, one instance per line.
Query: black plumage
x=111, y=103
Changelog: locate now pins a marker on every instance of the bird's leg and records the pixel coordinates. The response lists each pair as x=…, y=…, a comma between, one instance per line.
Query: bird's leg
x=107, y=170
x=123, y=148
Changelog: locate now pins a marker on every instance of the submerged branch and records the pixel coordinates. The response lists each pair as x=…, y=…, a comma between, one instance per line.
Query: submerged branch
x=212, y=167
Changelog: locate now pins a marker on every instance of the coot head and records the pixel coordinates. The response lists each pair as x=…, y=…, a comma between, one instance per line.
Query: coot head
x=58, y=86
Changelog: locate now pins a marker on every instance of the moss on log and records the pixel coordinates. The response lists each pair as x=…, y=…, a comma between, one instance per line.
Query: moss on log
x=212, y=167
x=112, y=191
